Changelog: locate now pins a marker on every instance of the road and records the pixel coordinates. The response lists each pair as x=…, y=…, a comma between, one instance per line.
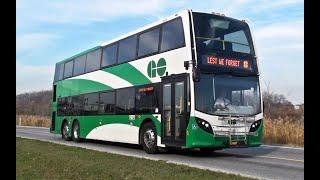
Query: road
x=264, y=162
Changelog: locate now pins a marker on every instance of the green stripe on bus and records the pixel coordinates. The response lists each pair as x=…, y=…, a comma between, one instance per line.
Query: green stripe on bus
x=70, y=87
x=129, y=73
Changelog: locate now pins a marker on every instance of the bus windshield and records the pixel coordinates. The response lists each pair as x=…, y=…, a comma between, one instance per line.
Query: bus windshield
x=216, y=33
x=228, y=95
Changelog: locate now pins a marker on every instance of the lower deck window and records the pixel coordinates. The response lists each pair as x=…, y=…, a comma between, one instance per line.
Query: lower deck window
x=125, y=101
x=147, y=99
x=107, y=103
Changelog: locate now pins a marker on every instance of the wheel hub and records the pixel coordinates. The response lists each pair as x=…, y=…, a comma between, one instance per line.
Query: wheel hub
x=65, y=130
x=75, y=132
x=149, y=138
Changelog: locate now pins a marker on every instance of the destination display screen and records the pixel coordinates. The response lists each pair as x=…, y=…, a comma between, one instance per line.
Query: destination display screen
x=146, y=89
x=229, y=63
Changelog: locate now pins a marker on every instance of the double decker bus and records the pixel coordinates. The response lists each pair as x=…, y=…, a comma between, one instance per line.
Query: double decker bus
x=188, y=81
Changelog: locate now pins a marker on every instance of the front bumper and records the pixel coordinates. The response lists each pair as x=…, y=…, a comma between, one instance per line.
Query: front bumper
x=198, y=138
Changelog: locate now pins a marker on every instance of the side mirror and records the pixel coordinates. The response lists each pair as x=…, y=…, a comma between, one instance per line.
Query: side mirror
x=186, y=64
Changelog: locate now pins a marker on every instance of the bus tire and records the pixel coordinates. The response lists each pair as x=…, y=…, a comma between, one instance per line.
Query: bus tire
x=64, y=131
x=148, y=138
x=76, y=132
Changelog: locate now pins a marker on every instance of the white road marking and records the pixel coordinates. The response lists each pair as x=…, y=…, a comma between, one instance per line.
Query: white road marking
x=36, y=127
x=270, y=157
x=280, y=158
x=284, y=147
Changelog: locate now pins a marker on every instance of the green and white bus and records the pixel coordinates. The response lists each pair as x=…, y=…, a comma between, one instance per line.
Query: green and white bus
x=188, y=81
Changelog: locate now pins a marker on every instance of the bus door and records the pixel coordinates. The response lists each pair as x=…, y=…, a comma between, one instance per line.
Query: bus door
x=174, y=105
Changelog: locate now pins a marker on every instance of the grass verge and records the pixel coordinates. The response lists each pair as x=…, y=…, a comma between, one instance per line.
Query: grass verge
x=43, y=160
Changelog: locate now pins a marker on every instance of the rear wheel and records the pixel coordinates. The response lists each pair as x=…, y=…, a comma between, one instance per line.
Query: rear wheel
x=148, y=138
x=76, y=132
x=64, y=132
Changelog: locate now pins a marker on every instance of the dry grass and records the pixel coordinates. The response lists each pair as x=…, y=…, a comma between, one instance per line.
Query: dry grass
x=33, y=120
x=283, y=131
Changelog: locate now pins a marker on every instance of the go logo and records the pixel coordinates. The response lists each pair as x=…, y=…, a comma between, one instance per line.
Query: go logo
x=157, y=68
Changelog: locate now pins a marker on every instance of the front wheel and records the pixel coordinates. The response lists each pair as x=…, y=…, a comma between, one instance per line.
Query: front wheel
x=148, y=138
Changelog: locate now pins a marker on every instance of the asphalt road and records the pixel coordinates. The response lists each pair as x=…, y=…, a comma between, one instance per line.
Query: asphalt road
x=264, y=162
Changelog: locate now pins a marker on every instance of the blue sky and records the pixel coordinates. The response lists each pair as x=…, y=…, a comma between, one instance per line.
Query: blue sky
x=49, y=31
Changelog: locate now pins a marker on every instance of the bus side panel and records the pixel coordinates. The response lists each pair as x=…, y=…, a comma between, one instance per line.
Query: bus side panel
x=117, y=128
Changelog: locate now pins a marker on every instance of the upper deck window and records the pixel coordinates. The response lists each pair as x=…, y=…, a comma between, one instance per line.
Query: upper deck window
x=68, y=67
x=127, y=49
x=93, y=60
x=172, y=35
x=149, y=42
x=215, y=33
x=79, y=65
x=161, y=38
x=58, y=75
x=109, y=55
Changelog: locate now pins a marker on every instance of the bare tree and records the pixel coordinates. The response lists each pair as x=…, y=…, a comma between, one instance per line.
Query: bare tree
x=35, y=103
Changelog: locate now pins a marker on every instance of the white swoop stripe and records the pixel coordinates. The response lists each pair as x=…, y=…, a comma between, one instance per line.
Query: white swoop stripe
x=116, y=132
x=105, y=78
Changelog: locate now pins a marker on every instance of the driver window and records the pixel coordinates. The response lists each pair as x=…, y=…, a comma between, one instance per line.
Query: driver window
x=236, y=98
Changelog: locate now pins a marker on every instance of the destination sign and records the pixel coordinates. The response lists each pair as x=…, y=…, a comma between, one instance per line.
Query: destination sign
x=227, y=62
x=146, y=89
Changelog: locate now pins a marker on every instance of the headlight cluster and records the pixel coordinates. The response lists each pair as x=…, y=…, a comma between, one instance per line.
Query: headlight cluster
x=255, y=125
x=204, y=125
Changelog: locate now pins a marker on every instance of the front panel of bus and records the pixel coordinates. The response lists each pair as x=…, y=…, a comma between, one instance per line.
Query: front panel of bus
x=228, y=110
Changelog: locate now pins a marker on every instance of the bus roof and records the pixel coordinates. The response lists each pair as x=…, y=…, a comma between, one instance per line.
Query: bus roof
x=122, y=36
x=79, y=54
x=160, y=21
x=130, y=33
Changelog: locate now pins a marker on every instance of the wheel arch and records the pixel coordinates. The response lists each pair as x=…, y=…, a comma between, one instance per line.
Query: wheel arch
x=145, y=121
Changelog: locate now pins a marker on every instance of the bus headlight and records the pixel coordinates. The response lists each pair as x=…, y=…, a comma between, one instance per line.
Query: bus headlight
x=255, y=125
x=204, y=125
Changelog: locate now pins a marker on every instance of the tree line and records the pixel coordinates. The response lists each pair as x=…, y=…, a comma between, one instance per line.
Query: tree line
x=34, y=103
